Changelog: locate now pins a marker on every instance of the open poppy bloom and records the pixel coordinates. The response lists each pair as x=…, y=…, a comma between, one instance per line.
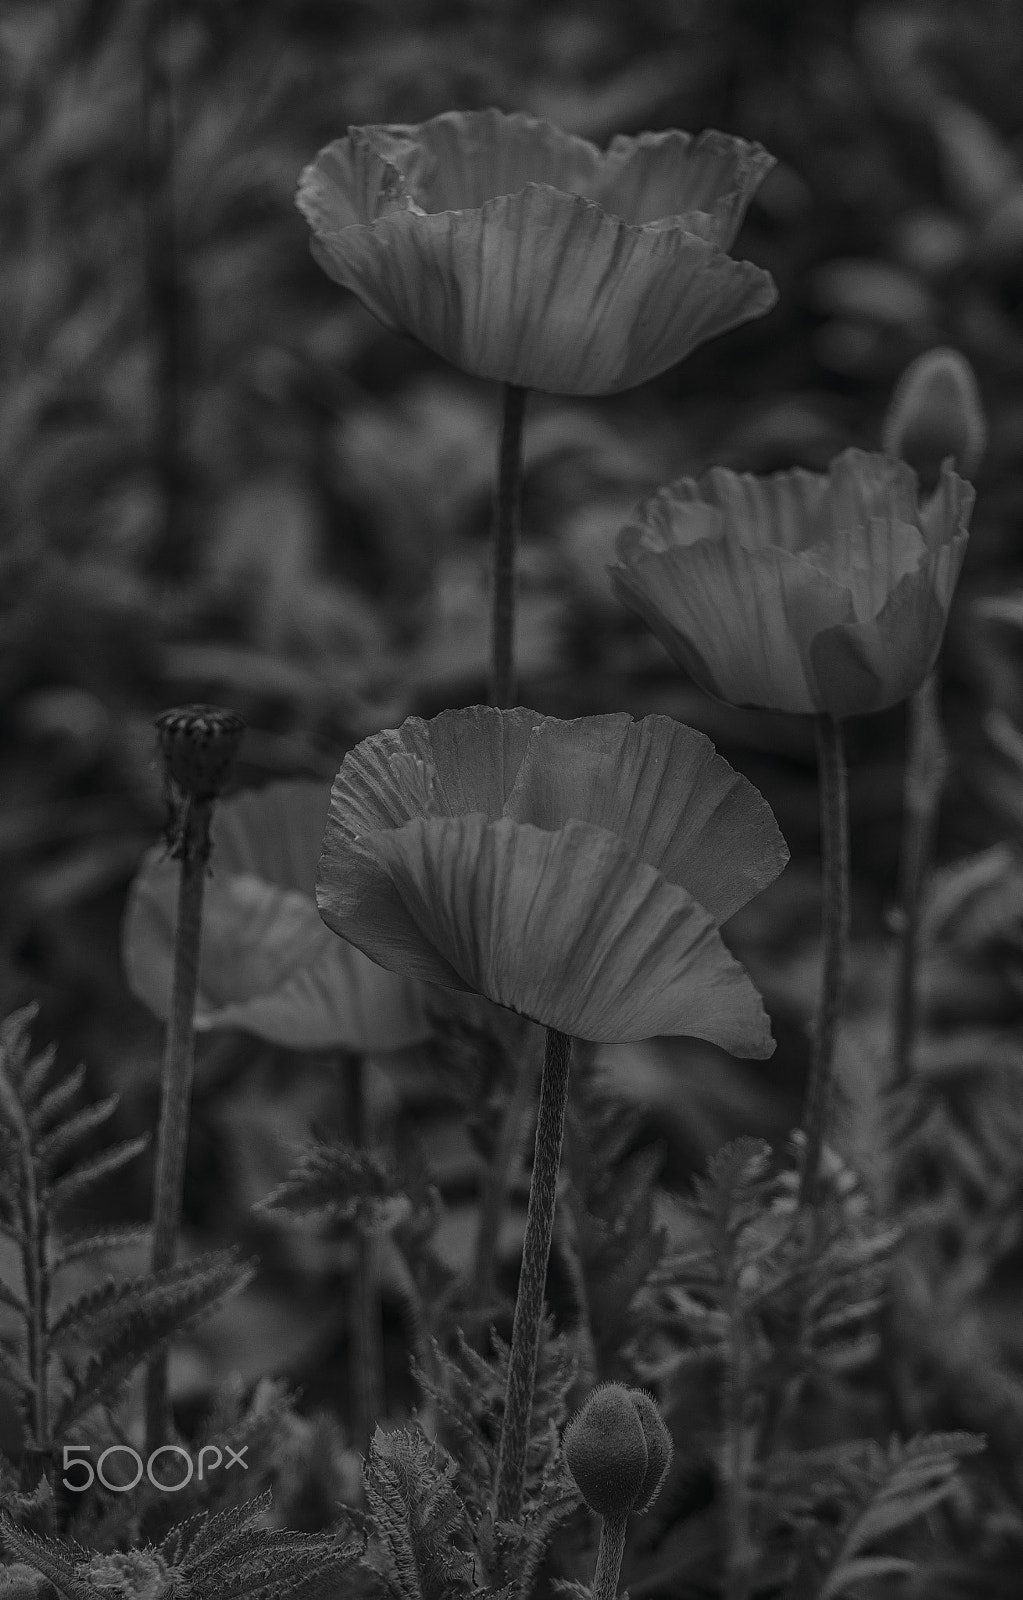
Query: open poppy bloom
x=524, y=254
x=575, y=872
x=802, y=591
x=267, y=964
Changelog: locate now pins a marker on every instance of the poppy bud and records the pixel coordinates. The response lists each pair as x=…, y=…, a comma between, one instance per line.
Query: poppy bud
x=199, y=745
x=658, y=1446
x=606, y=1451
x=934, y=413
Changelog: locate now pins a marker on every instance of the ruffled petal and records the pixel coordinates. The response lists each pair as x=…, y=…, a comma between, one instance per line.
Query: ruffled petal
x=350, y=182
x=661, y=788
x=868, y=666
x=272, y=833
x=461, y=159
x=946, y=512
x=655, y=176
x=267, y=965
x=569, y=929
x=739, y=621
x=545, y=289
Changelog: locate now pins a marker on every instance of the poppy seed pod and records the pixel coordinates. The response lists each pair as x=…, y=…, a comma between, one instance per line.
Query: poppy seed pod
x=606, y=1450
x=199, y=745
x=935, y=413
x=658, y=1445
x=801, y=591
x=524, y=254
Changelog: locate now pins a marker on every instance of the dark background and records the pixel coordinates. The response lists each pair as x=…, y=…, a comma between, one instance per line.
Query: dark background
x=221, y=480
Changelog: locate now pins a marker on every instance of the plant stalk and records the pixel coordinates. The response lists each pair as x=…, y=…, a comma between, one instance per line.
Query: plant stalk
x=364, y=1349
x=927, y=767
x=610, y=1551
x=536, y=1248
x=178, y=1071
x=507, y=525
x=498, y=1179
x=834, y=807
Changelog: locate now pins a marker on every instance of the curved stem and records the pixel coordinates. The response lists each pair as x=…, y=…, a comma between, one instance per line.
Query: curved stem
x=507, y=522
x=178, y=1071
x=834, y=805
x=364, y=1351
x=610, y=1551
x=536, y=1249
x=926, y=771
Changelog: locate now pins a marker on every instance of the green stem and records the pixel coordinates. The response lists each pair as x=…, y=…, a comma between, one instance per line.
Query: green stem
x=926, y=771
x=364, y=1350
x=497, y=1181
x=610, y=1551
x=834, y=805
x=536, y=1248
x=178, y=1071
x=507, y=523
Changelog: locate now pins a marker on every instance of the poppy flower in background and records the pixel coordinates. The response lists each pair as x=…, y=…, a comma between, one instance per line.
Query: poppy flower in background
x=575, y=872
x=801, y=591
x=525, y=254
x=267, y=963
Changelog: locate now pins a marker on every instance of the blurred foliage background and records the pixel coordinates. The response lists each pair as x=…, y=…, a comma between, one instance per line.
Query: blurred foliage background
x=221, y=480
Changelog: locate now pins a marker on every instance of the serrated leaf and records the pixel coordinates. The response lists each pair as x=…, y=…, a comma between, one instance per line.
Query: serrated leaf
x=74, y=1247
x=167, y=1308
x=55, y=1559
x=341, y=1181
x=419, y=1521
x=53, y=1104
x=89, y=1173
x=54, y=1146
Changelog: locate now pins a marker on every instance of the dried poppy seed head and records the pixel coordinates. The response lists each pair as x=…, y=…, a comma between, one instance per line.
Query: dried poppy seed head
x=658, y=1446
x=934, y=413
x=199, y=745
x=606, y=1450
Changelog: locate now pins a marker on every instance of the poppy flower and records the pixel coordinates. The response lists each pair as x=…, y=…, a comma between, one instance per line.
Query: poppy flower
x=802, y=591
x=267, y=963
x=575, y=872
x=524, y=254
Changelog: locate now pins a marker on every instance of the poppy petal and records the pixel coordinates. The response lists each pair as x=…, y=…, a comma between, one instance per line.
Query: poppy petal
x=737, y=619
x=567, y=928
x=545, y=289
x=663, y=789
x=671, y=174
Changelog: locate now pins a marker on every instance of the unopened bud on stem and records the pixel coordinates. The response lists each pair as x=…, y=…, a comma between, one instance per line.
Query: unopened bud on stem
x=936, y=412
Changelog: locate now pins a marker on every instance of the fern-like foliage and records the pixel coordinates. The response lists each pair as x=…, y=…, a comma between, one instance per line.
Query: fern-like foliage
x=67, y=1359
x=227, y=1555
x=467, y=1392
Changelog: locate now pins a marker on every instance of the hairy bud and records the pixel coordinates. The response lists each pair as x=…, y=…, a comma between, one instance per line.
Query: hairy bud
x=936, y=412
x=606, y=1450
x=659, y=1448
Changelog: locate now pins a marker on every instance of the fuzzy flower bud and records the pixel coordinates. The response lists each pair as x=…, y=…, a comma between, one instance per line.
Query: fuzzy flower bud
x=199, y=745
x=658, y=1446
x=606, y=1450
x=936, y=412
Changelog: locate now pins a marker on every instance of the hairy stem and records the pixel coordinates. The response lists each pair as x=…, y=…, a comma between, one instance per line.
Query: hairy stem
x=498, y=1179
x=610, y=1551
x=178, y=1069
x=507, y=522
x=926, y=770
x=536, y=1248
x=834, y=806
x=365, y=1354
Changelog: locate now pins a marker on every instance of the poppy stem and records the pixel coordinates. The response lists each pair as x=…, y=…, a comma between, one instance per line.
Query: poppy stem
x=926, y=771
x=364, y=1348
x=536, y=1249
x=610, y=1551
x=497, y=1180
x=834, y=807
x=507, y=525
x=178, y=1070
